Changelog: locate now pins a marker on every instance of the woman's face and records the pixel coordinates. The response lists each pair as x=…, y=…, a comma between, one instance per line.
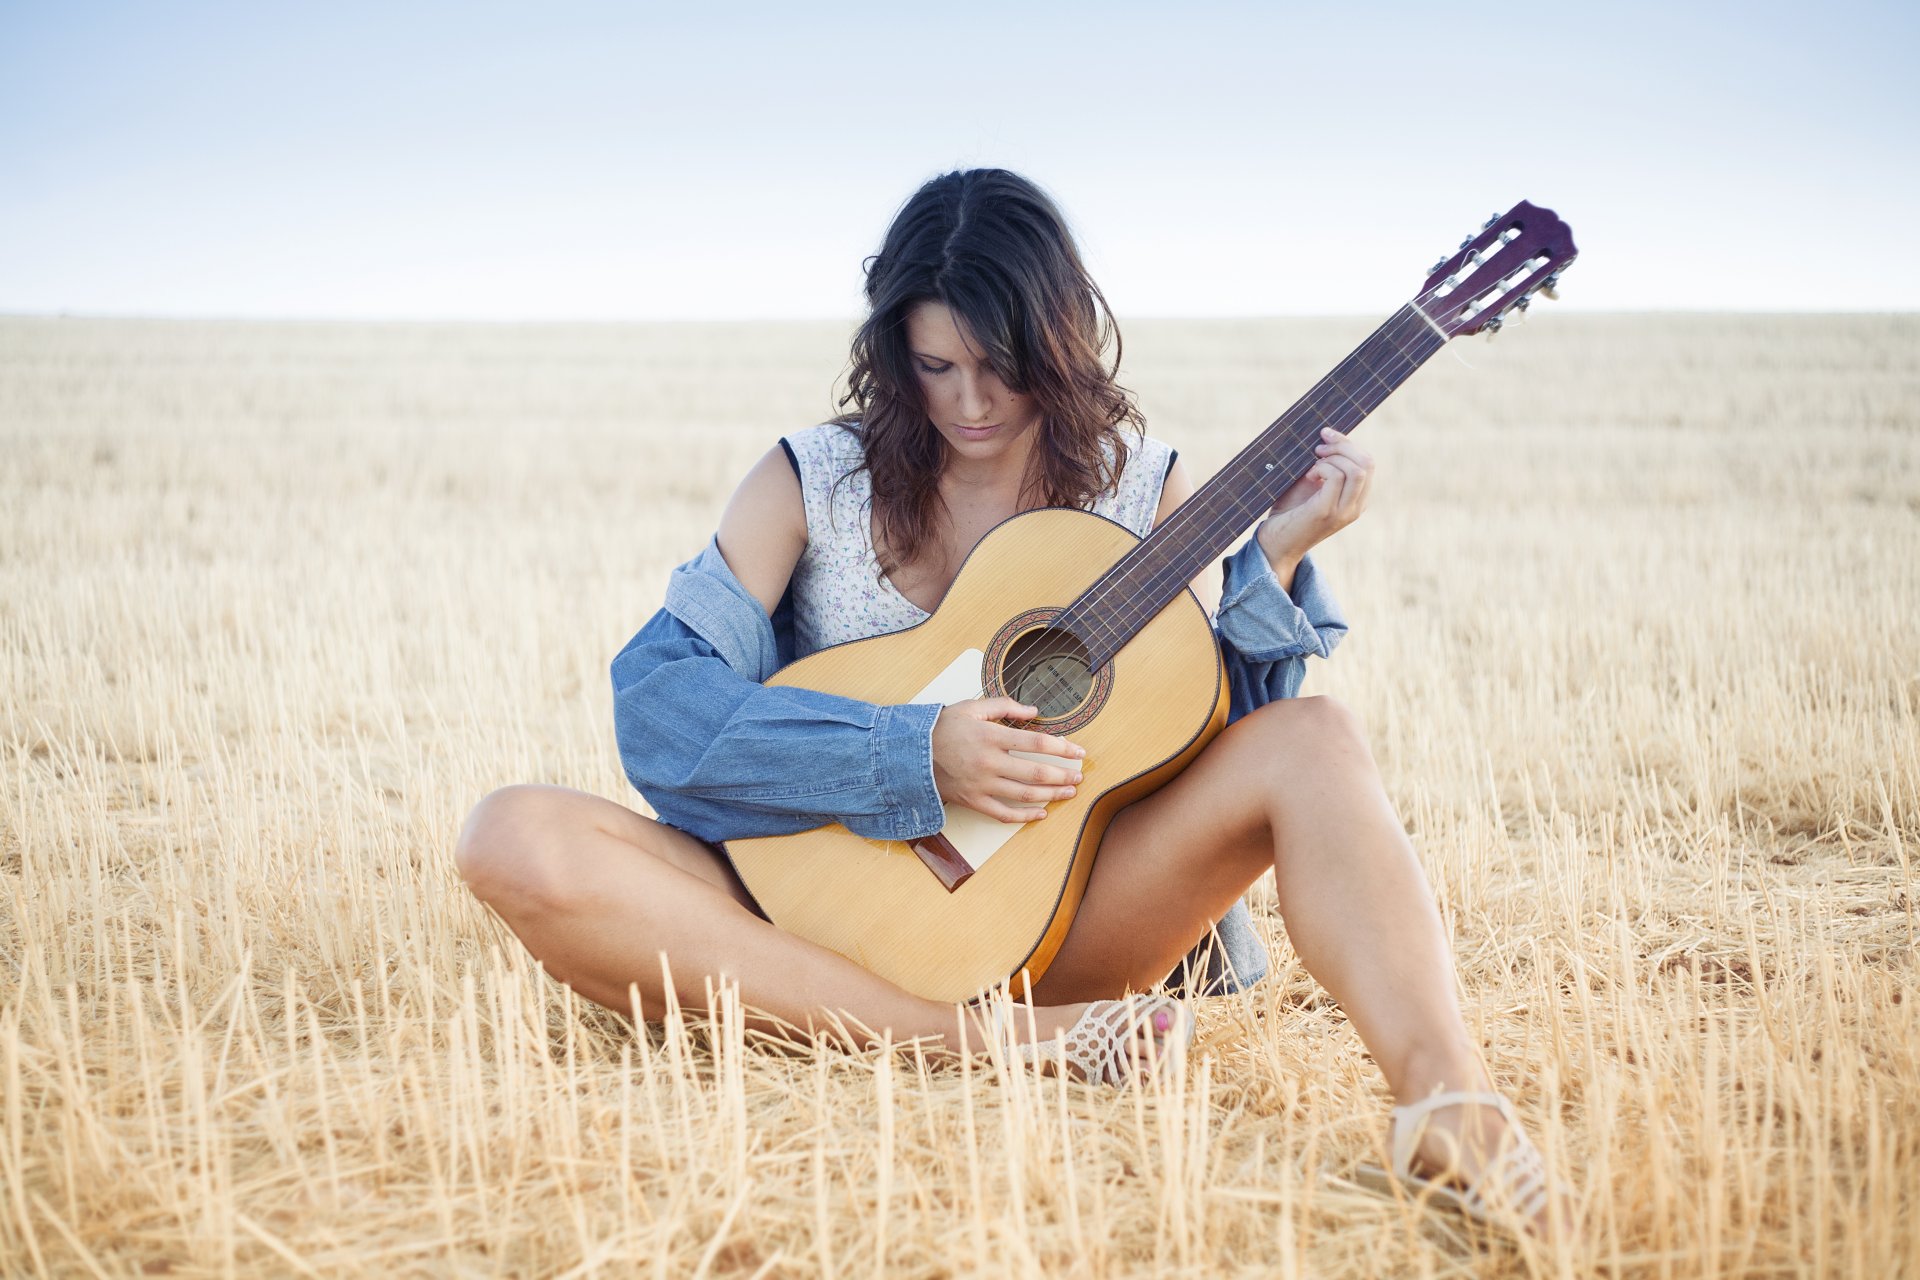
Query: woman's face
x=979, y=415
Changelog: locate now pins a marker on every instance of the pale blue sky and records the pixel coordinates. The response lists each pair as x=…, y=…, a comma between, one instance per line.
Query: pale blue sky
x=601, y=161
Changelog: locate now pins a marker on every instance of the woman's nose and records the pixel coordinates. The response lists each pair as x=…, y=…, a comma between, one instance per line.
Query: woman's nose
x=976, y=399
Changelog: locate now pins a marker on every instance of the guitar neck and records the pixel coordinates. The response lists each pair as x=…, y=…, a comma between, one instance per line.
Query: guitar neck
x=1124, y=599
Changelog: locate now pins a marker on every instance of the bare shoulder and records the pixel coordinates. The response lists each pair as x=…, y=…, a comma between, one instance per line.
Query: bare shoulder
x=1177, y=489
x=763, y=531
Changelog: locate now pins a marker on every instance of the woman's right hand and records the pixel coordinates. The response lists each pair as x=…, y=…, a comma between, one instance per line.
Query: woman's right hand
x=972, y=767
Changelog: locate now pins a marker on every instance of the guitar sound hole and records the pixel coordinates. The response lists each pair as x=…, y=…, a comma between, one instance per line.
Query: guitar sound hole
x=1048, y=669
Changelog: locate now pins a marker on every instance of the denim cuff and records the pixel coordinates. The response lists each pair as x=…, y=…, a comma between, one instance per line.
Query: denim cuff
x=902, y=754
x=1265, y=622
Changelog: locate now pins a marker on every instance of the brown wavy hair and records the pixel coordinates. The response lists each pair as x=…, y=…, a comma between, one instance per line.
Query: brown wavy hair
x=995, y=249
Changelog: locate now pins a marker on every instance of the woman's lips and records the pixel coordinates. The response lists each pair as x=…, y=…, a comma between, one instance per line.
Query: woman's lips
x=977, y=433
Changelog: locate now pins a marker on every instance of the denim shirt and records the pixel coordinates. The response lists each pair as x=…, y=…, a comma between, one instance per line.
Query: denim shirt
x=721, y=755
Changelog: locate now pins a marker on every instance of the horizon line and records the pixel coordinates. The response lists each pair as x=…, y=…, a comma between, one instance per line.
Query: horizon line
x=422, y=321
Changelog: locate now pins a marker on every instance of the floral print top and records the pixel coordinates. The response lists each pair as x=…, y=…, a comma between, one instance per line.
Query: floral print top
x=839, y=593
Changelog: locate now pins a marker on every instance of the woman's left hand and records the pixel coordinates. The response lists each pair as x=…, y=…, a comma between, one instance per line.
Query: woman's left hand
x=1324, y=501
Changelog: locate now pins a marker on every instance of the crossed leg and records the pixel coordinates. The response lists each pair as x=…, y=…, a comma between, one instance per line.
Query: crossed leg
x=599, y=894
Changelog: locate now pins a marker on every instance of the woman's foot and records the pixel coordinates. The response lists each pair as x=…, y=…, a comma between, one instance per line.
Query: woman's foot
x=1109, y=1041
x=1475, y=1149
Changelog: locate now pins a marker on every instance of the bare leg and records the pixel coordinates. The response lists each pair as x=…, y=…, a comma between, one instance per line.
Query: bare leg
x=1292, y=786
x=599, y=893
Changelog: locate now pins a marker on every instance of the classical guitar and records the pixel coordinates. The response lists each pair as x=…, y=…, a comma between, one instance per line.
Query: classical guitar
x=1071, y=613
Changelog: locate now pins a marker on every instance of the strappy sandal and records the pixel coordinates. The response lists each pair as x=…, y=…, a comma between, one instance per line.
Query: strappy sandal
x=1099, y=1043
x=1514, y=1182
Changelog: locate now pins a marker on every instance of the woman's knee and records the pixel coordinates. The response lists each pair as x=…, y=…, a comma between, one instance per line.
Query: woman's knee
x=508, y=850
x=1314, y=724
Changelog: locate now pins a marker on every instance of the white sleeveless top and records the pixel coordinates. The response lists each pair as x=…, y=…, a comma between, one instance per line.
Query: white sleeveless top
x=839, y=593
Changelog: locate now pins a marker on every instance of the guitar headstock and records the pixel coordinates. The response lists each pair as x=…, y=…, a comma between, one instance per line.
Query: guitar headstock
x=1496, y=272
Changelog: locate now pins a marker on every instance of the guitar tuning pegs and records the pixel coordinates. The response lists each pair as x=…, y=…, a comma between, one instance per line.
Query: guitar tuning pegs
x=1493, y=326
x=1466, y=242
x=1437, y=264
x=1488, y=224
x=1551, y=286
x=1523, y=302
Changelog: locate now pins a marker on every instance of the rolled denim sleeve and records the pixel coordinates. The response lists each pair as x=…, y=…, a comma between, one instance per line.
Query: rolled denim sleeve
x=725, y=757
x=1267, y=633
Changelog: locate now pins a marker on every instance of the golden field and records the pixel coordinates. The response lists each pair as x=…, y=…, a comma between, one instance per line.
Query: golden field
x=1636, y=620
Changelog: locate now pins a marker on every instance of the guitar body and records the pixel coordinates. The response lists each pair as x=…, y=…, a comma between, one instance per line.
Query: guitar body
x=1155, y=706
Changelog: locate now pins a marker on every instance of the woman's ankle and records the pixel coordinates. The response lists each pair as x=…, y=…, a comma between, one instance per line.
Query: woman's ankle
x=1437, y=1067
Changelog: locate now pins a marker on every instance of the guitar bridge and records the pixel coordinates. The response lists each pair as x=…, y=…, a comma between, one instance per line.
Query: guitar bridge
x=948, y=867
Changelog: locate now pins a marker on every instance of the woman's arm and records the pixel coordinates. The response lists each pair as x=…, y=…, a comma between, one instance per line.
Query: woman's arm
x=720, y=754
x=724, y=756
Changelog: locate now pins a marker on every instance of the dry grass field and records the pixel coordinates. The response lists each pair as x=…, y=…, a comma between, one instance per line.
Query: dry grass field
x=1636, y=632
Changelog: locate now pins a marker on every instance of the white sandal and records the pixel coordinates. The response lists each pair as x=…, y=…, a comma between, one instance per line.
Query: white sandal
x=1099, y=1042
x=1514, y=1182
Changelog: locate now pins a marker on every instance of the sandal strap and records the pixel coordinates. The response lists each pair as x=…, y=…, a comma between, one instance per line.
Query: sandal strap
x=1515, y=1180
x=1099, y=1041
x=1407, y=1129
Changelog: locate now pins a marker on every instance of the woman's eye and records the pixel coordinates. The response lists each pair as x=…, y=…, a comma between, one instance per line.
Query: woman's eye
x=929, y=369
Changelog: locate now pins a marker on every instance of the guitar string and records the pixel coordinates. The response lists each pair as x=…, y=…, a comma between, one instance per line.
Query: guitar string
x=1044, y=683
x=1241, y=505
x=1238, y=507
x=1251, y=451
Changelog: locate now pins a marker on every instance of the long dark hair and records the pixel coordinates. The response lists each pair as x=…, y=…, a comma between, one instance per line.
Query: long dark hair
x=994, y=248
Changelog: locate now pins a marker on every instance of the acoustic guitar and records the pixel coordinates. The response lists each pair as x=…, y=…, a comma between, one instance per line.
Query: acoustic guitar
x=1070, y=613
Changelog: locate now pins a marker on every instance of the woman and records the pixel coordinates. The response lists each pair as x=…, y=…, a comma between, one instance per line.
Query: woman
x=979, y=391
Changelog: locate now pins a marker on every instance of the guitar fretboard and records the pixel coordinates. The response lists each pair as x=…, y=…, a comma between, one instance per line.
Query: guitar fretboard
x=1124, y=599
